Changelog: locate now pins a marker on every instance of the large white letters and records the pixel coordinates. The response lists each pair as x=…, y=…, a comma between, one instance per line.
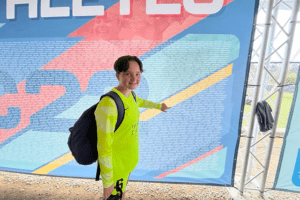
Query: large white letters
x=80, y=10
x=47, y=11
x=10, y=8
x=202, y=8
x=152, y=8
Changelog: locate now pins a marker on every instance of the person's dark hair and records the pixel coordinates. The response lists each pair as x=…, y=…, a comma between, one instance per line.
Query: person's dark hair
x=122, y=63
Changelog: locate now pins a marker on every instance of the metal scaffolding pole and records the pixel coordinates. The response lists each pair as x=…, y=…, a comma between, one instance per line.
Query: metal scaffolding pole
x=256, y=94
x=262, y=89
x=285, y=63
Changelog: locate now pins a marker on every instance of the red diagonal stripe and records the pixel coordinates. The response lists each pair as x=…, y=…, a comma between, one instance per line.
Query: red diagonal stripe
x=190, y=163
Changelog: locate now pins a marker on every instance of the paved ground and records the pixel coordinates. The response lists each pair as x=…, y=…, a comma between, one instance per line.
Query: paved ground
x=16, y=186
x=25, y=187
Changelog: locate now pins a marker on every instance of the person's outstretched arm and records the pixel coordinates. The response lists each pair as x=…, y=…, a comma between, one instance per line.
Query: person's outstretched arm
x=150, y=104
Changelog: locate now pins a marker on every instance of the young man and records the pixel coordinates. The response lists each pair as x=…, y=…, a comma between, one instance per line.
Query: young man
x=119, y=151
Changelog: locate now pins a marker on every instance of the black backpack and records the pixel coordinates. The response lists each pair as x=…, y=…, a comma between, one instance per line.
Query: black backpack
x=82, y=141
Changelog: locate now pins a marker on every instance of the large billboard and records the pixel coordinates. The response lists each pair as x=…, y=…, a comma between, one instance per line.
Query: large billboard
x=288, y=172
x=56, y=60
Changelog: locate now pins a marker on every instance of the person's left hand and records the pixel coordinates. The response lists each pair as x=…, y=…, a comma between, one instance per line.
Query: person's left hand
x=164, y=107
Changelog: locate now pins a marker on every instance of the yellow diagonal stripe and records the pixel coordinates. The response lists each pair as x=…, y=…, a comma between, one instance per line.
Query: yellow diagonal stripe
x=148, y=114
x=55, y=164
x=190, y=91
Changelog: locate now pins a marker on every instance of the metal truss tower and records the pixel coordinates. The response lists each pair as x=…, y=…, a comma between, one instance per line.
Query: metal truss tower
x=270, y=77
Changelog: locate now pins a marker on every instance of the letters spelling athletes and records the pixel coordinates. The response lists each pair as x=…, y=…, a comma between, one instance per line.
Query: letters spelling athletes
x=152, y=8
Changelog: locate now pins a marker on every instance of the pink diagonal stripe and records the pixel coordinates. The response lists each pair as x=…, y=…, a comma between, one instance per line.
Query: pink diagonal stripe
x=191, y=162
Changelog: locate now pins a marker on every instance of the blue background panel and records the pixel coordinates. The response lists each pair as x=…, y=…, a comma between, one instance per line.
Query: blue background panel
x=287, y=177
x=21, y=57
x=32, y=150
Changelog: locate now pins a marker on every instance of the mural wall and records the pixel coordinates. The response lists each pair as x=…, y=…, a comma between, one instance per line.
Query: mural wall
x=56, y=60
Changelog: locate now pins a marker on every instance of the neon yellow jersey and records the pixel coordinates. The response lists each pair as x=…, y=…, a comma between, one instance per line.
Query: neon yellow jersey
x=119, y=151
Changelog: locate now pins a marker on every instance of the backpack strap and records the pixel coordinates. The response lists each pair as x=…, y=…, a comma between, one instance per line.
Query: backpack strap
x=98, y=171
x=134, y=95
x=120, y=107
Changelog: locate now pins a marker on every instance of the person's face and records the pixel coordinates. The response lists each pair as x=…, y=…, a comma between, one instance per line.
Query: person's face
x=131, y=78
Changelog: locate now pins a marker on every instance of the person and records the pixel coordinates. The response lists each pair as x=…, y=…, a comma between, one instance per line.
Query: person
x=119, y=151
